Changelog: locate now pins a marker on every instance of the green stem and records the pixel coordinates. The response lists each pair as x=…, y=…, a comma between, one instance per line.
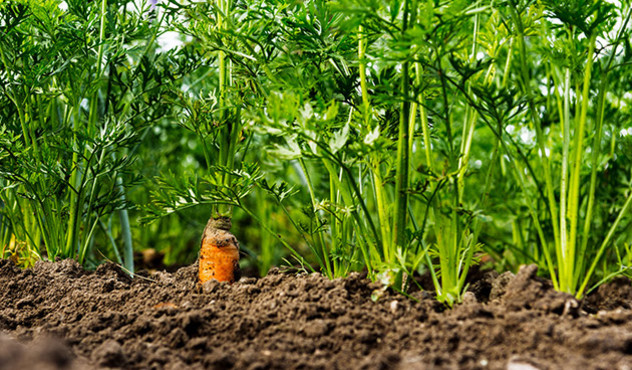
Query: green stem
x=425, y=129
x=126, y=230
x=231, y=127
x=468, y=124
x=378, y=184
x=366, y=105
x=401, y=177
x=74, y=182
x=574, y=194
x=566, y=117
x=544, y=160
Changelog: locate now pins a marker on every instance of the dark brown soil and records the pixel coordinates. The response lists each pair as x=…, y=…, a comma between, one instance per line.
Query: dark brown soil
x=58, y=316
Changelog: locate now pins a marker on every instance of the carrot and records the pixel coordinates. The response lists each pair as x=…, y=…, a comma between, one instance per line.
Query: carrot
x=219, y=252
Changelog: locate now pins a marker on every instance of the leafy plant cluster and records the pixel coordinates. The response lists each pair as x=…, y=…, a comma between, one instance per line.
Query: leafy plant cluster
x=402, y=137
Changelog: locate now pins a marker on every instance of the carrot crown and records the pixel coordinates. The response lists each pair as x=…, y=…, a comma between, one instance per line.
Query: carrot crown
x=222, y=223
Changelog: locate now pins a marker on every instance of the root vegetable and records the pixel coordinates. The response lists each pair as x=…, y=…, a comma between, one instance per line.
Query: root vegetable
x=219, y=252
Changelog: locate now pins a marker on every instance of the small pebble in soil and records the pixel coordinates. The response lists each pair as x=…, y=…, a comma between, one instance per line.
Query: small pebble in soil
x=519, y=365
x=393, y=306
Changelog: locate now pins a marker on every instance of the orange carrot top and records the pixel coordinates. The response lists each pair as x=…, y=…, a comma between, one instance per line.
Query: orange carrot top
x=219, y=252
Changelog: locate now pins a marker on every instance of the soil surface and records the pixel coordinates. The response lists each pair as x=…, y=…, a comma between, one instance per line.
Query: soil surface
x=58, y=316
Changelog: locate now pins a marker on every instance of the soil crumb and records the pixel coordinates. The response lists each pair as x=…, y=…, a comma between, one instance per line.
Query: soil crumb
x=58, y=316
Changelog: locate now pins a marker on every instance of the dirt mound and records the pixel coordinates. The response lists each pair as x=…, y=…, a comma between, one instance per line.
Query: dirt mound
x=610, y=296
x=105, y=319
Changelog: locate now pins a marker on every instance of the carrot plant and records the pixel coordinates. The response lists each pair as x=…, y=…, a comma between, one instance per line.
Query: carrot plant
x=554, y=56
x=574, y=252
x=75, y=91
x=209, y=102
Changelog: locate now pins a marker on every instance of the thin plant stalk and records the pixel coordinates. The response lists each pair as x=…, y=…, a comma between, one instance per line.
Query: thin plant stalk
x=425, y=129
x=468, y=121
x=378, y=184
x=566, y=282
x=543, y=155
x=401, y=177
x=564, y=176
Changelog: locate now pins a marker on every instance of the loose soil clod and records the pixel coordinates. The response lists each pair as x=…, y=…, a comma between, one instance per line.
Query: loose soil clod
x=104, y=319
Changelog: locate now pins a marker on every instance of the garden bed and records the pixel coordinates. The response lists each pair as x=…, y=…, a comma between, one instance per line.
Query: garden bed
x=61, y=316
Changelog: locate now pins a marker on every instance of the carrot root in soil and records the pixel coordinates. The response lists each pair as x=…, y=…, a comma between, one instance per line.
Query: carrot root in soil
x=219, y=252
